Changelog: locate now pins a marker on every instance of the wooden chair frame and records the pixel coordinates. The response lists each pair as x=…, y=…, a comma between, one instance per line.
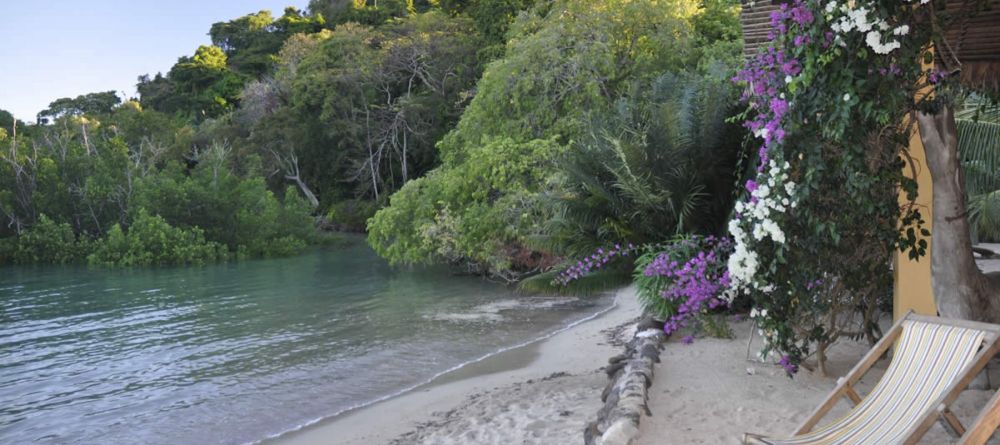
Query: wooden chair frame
x=939, y=409
x=985, y=424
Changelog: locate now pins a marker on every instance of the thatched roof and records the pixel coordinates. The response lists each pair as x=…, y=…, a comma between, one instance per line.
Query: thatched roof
x=971, y=42
x=755, y=18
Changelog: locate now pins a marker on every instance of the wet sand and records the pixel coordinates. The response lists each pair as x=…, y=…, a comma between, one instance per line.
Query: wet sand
x=542, y=393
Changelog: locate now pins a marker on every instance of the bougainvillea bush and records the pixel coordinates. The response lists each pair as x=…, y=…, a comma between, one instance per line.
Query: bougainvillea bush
x=680, y=281
x=826, y=101
x=597, y=260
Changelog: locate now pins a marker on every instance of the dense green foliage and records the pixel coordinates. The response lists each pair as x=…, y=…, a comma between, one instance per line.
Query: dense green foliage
x=93, y=103
x=347, y=113
x=470, y=216
x=209, y=83
x=479, y=118
x=252, y=41
x=979, y=143
x=105, y=188
x=571, y=68
x=230, y=153
x=661, y=163
x=45, y=242
x=150, y=240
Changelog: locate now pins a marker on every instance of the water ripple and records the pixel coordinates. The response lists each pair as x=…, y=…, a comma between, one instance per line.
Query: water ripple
x=236, y=352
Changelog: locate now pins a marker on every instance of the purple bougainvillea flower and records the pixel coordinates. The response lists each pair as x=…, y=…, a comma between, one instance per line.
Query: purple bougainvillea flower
x=786, y=363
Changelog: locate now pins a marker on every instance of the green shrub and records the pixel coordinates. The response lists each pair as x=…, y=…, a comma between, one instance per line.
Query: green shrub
x=467, y=213
x=47, y=242
x=682, y=281
x=150, y=240
x=239, y=213
x=979, y=144
x=663, y=163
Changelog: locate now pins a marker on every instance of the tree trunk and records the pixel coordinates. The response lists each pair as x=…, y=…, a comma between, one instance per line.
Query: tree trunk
x=290, y=164
x=305, y=190
x=961, y=290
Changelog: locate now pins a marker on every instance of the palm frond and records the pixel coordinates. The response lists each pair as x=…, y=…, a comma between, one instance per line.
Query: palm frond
x=984, y=215
x=648, y=169
x=979, y=146
x=978, y=109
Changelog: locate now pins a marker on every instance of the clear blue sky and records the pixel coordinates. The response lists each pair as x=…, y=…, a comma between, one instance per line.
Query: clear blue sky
x=63, y=48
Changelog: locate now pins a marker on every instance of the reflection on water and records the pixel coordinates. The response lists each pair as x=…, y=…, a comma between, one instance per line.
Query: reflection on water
x=236, y=352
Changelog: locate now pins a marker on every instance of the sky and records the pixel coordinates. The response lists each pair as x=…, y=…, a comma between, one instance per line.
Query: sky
x=64, y=48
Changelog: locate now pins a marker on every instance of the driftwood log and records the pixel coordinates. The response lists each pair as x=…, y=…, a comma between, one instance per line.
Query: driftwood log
x=630, y=375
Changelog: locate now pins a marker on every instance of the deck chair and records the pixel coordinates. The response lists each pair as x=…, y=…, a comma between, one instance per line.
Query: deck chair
x=934, y=360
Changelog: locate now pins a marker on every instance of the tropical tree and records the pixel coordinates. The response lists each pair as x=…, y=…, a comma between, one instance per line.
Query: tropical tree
x=360, y=109
x=365, y=12
x=566, y=64
x=199, y=87
x=979, y=144
x=252, y=41
x=661, y=164
x=92, y=104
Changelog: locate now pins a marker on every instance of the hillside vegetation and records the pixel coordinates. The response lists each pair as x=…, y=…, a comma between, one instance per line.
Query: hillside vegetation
x=500, y=136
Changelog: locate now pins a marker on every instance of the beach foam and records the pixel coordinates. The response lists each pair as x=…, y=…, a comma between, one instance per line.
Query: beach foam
x=492, y=312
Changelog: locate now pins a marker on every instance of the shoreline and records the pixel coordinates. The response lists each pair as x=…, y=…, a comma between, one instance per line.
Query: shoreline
x=462, y=405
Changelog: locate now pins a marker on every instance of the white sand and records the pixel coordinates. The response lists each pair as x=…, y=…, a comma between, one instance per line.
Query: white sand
x=544, y=393
x=703, y=393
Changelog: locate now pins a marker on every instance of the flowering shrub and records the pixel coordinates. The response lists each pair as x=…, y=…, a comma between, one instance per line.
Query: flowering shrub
x=814, y=236
x=683, y=279
x=595, y=261
x=757, y=219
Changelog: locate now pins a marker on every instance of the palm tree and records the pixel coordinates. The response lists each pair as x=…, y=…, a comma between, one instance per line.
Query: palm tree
x=662, y=163
x=979, y=144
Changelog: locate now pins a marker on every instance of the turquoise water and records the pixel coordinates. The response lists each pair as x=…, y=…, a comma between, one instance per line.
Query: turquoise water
x=239, y=352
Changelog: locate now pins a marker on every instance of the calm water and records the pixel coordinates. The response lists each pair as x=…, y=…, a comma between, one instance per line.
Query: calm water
x=238, y=352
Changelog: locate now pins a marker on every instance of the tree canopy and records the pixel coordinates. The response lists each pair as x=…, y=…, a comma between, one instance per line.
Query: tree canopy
x=465, y=118
x=566, y=64
x=91, y=103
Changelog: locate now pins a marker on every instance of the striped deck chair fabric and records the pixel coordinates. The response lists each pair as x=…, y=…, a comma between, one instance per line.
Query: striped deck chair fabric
x=929, y=359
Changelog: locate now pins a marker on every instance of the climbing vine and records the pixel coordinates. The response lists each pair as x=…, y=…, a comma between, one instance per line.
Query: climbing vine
x=827, y=99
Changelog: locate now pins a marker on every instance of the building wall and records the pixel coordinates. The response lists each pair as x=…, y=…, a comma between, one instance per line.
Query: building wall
x=912, y=278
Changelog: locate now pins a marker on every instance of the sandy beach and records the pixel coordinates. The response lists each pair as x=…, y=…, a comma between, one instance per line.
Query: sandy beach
x=708, y=393
x=543, y=393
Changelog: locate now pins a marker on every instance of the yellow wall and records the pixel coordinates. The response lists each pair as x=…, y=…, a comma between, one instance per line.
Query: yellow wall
x=912, y=278
x=912, y=287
